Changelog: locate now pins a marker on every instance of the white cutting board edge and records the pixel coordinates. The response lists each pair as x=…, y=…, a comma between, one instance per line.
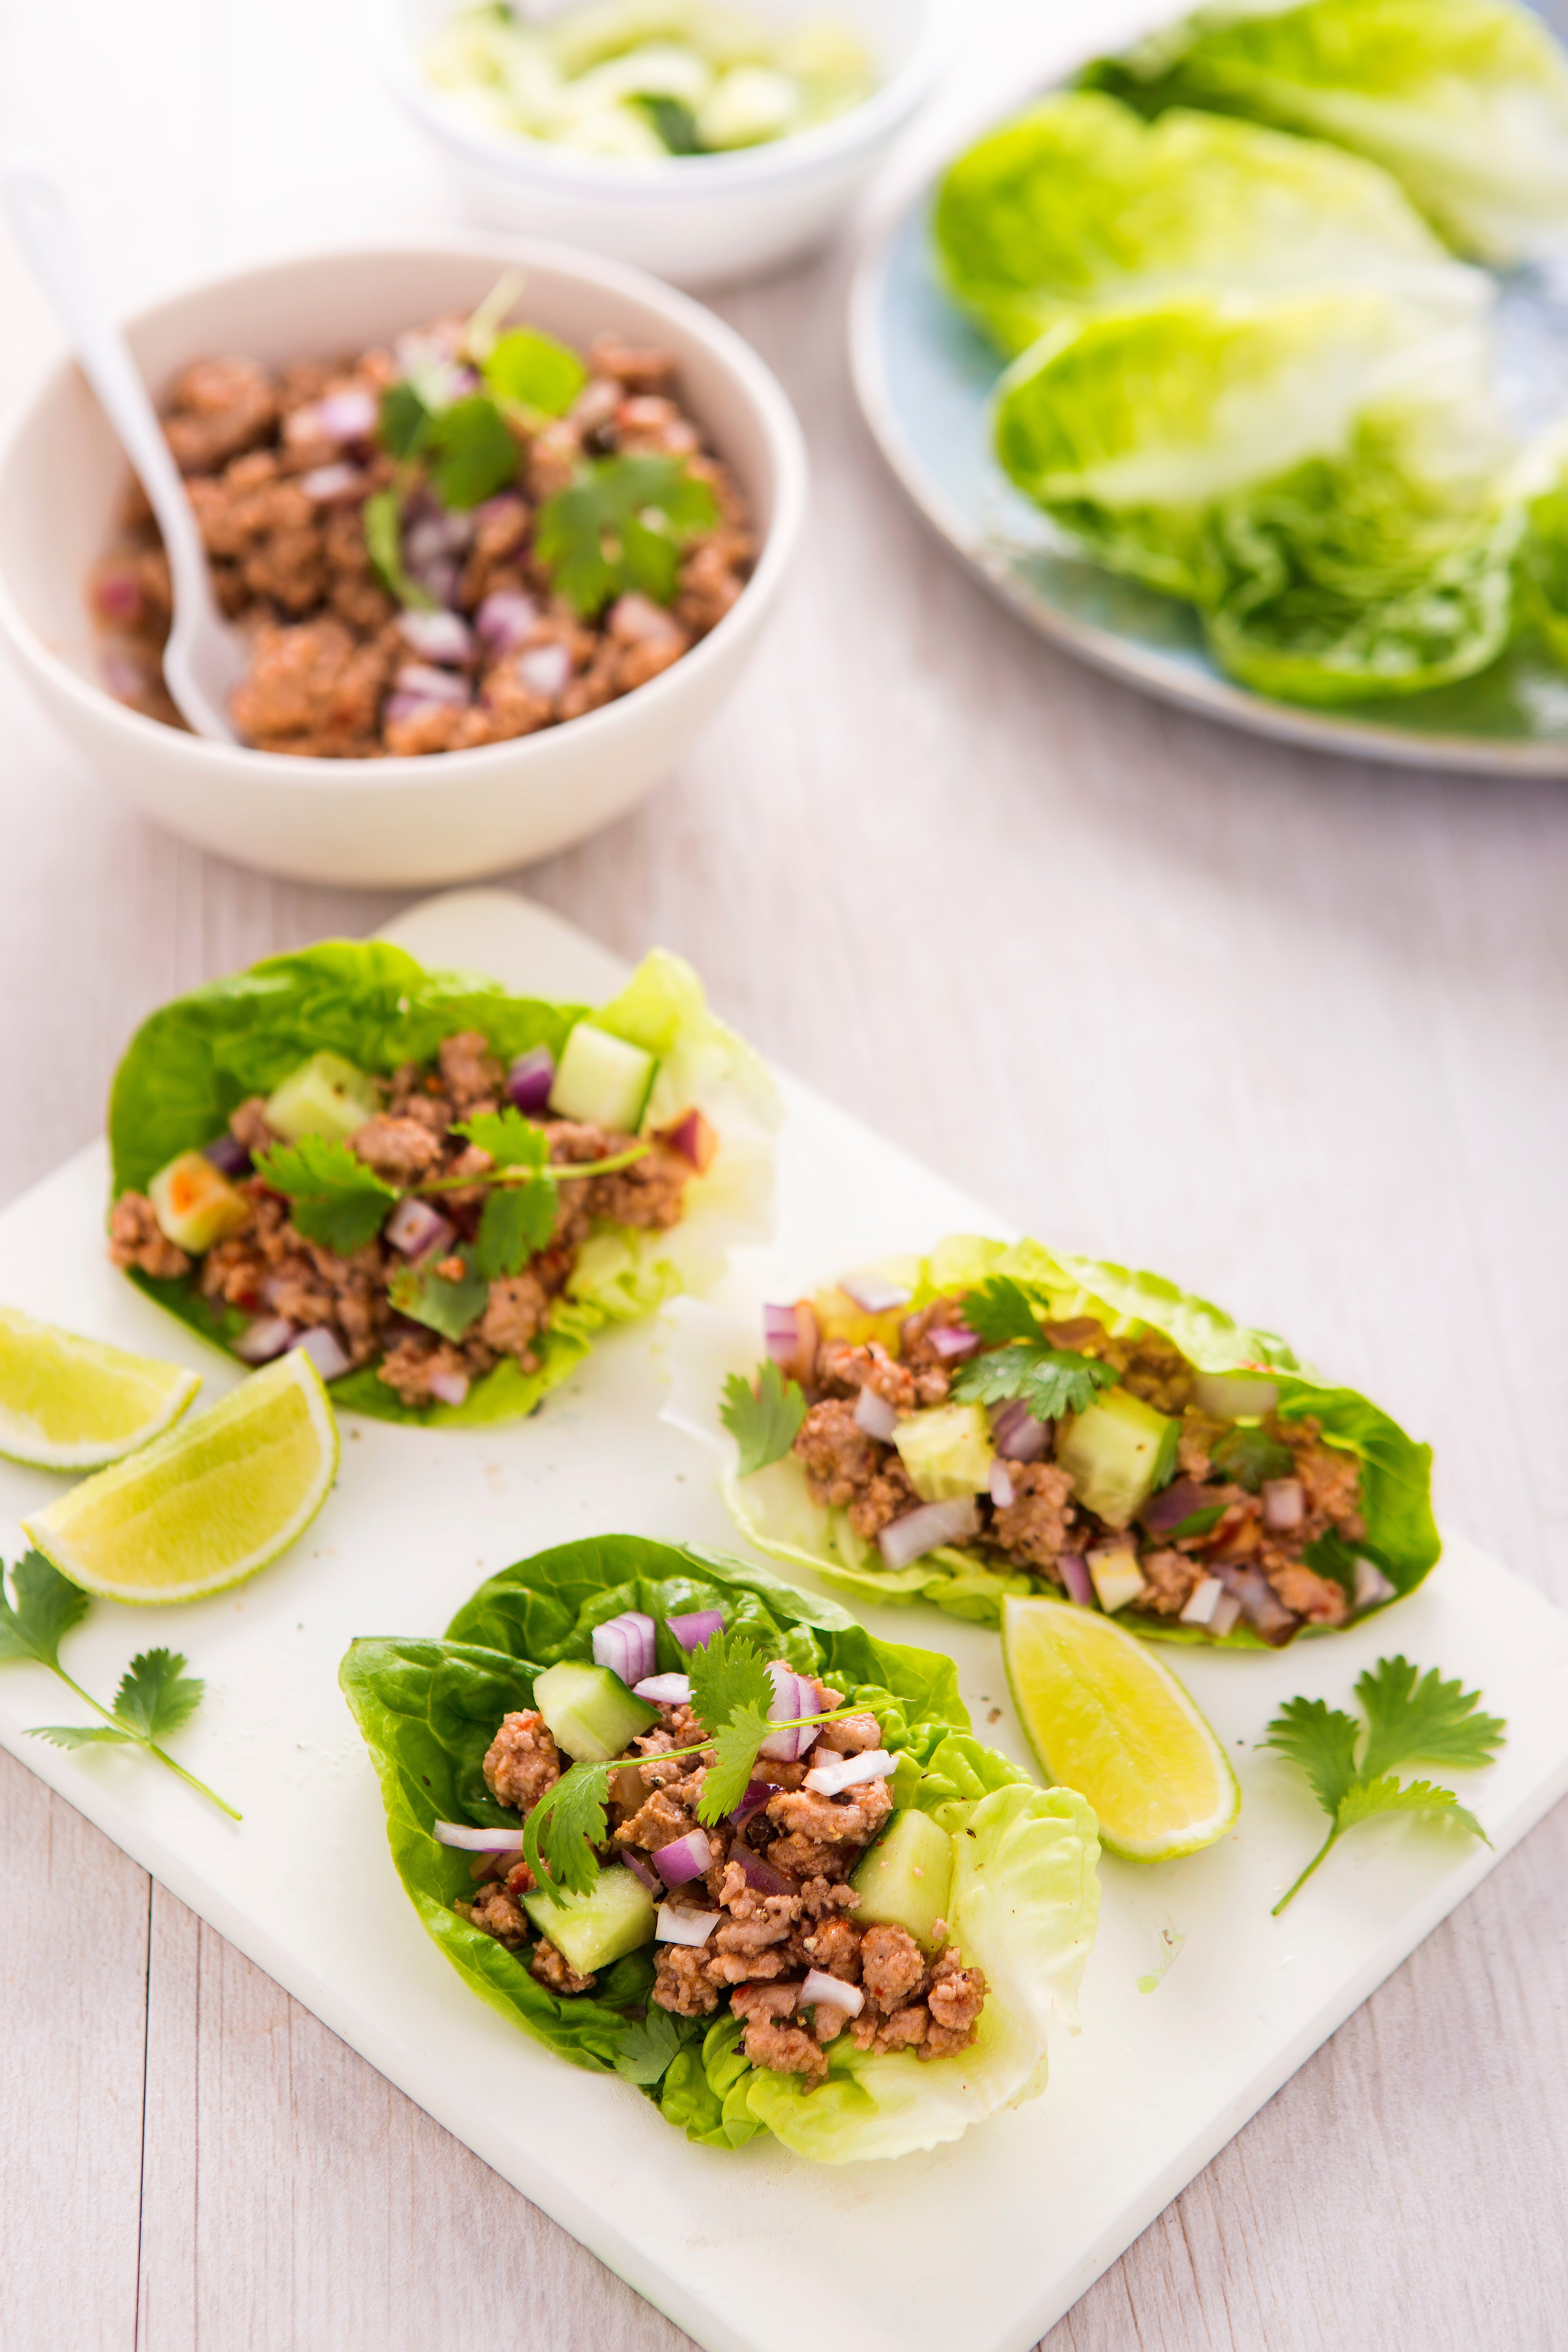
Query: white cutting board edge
x=422, y=2028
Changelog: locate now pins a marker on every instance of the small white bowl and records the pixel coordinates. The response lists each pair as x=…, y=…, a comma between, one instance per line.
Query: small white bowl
x=702, y=220
x=373, y=822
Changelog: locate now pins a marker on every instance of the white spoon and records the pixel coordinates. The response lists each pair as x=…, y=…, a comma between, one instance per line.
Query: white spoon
x=203, y=658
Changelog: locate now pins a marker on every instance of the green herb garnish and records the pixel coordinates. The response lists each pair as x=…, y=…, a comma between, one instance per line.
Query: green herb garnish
x=535, y=372
x=1050, y=1381
x=763, y=1419
x=622, y=524
x=336, y=1199
x=647, y=2045
x=155, y=1696
x=381, y=518
x=1247, y=1455
x=427, y=1297
x=1000, y=1309
x=1409, y=1716
x=673, y=123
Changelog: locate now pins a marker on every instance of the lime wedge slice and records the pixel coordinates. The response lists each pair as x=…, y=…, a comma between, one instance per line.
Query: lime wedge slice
x=207, y=1504
x=70, y=1404
x=1107, y=1719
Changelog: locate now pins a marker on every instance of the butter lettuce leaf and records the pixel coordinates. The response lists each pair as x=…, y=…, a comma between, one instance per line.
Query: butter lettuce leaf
x=1026, y=1898
x=1464, y=102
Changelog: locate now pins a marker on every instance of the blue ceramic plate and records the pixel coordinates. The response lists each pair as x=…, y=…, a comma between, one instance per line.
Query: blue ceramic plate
x=924, y=379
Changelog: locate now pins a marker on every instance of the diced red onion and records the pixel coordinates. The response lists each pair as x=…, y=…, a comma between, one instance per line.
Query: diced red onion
x=875, y=1416
x=1173, y=1504
x=627, y=1645
x=227, y=1155
x=1202, y=1600
x=1017, y=1436
x=437, y=532
x=400, y=707
x=790, y=1336
x=529, y=1079
x=117, y=594
x=1076, y=1579
x=873, y=1293
x=1001, y=1483
x=684, y=1858
x=1260, y=1604
x=918, y=1532
x=1371, y=1584
x=545, y=669
x=505, y=618
x=1284, y=1503
x=268, y=1336
x=322, y=1347
x=757, y=1873
x=346, y=415
x=477, y=1841
x=440, y=576
x=429, y=685
x=693, y=1140
x=448, y=1386
x=123, y=677
x=697, y=1628
x=756, y=1796
x=676, y=1925
x=793, y=1694
x=640, y=1869
x=832, y=1992
x=664, y=1690
x=436, y=637
x=849, y=1772
x=951, y=1343
x=328, y=484
x=1225, y=1614
x=415, y=1228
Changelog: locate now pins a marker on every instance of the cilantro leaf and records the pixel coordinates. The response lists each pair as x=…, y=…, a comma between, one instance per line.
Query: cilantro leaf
x=47, y=1606
x=534, y=371
x=336, y=1199
x=1428, y=1719
x=1248, y=1456
x=1050, y=1381
x=762, y=1421
x=724, y=1782
x=403, y=421
x=517, y=1220
x=156, y=1694
x=1368, y=1798
x=474, y=453
x=673, y=123
x=570, y=1820
x=647, y=2045
x=727, y=1673
x=1000, y=1310
x=1322, y=1740
x=1197, y=1523
x=73, y=1735
x=429, y=1297
x=381, y=518
x=622, y=525
x=512, y=1140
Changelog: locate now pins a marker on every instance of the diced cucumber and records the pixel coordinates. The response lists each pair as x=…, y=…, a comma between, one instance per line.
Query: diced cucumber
x=195, y=1204
x=906, y=1880
x=602, y=1080
x=947, y=1452
x=589, y=1711
x=1114, y=1452
x=325, y=1096
x=591, y=1930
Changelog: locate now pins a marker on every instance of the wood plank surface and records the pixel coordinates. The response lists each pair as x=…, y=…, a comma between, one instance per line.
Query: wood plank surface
x=1292, y=1029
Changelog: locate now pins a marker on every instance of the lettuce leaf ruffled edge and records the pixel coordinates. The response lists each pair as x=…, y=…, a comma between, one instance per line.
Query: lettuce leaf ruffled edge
x=1026, y=1901
x=773, y=1511
x=193, y=1061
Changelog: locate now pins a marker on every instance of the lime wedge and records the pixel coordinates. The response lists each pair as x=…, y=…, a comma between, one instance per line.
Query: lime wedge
x=1107, y=1719
x=208, y=1503
x=70, y=1404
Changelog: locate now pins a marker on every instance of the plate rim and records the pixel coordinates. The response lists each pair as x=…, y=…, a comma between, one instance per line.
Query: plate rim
x=1211, y=698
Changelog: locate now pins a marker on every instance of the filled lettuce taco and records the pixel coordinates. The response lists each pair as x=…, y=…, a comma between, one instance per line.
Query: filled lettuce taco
x=996, y=1418
x=687, y=1825
x=440, y=1189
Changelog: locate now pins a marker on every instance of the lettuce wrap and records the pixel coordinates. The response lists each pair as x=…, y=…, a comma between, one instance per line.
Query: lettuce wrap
x=1024, y=1897
x=193, y=1065
x=1187, y=1557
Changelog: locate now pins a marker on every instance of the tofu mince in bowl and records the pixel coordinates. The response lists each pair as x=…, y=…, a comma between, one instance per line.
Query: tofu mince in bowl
x=690, y=1827
x=1000, y=1419
x=439, y=1191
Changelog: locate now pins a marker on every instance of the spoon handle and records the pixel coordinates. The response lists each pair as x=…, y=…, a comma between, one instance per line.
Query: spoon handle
x=48, y=235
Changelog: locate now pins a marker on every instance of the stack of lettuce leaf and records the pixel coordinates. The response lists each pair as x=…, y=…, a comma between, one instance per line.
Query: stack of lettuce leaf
x=1248, y=366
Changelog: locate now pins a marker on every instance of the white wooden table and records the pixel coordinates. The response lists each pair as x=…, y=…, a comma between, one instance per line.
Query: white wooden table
x=1290, y=1029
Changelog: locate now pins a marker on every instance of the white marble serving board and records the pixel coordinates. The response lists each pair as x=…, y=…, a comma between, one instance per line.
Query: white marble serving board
x=978, y=2247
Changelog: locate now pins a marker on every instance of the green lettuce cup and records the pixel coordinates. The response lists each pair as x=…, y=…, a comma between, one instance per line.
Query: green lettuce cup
x=1023, y=1903
x=1000, y=1417
x=272, y=1187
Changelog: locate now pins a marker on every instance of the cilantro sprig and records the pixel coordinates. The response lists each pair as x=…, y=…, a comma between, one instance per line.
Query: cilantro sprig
x=622, y=524
x=763, y=1420
x=1409, y=1717
x=1004, y=1317
x=156, y=1696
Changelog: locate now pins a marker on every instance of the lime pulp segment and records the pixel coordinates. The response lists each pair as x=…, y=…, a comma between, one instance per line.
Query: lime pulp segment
x=71, y=1403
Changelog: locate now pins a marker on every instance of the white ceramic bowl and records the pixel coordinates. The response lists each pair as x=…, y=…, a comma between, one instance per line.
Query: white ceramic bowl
x=702, y=220
x=453, y=814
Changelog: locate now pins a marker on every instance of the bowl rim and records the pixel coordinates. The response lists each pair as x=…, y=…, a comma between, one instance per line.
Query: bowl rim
x=757, y=381
x=674, y=178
